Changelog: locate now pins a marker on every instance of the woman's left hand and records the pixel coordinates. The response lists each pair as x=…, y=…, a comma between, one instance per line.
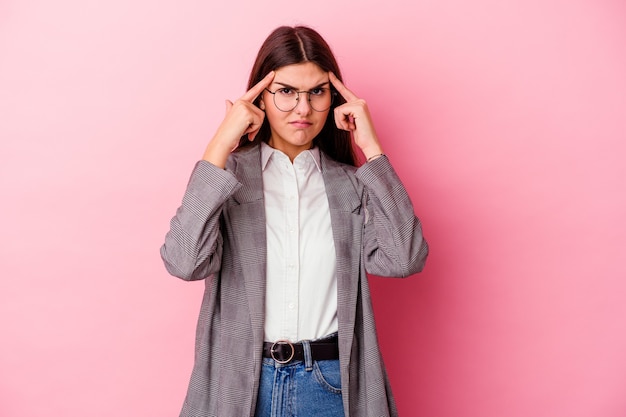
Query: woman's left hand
x=354, y=117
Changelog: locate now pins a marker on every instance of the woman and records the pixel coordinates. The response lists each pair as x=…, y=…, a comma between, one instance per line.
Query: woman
x=283, y=227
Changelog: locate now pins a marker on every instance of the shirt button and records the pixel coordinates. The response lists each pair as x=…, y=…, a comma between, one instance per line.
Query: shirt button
x=291, y=306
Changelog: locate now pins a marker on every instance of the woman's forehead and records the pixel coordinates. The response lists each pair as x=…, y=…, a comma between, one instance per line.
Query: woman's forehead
x=304, y=75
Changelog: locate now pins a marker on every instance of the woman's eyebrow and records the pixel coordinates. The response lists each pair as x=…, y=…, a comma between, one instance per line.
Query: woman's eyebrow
x=294, y=88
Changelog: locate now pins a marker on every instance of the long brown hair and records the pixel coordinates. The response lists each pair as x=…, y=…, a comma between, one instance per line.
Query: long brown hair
x=295, y=45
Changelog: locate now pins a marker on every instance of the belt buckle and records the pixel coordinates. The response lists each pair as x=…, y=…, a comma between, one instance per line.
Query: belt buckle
x=282, y=342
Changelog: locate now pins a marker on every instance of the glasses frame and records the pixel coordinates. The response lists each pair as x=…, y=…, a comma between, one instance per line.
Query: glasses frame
x=333, y=93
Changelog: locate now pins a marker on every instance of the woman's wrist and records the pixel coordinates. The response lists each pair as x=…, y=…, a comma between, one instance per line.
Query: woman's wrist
x=375, y=156
x=373, y=152
x=216, y=154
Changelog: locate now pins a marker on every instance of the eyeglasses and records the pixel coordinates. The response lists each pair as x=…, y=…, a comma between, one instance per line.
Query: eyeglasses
x=286, y=98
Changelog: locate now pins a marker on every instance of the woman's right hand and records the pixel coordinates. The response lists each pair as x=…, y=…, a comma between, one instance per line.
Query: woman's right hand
x=242, y=117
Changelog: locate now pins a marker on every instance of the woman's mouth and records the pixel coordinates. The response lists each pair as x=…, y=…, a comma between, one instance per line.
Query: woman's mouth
x=301, y=124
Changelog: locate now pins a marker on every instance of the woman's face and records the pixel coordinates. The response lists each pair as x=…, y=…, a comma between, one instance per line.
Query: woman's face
x=293, y=131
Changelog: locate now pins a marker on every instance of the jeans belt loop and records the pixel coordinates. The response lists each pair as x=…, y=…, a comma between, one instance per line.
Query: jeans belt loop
x=308, y=358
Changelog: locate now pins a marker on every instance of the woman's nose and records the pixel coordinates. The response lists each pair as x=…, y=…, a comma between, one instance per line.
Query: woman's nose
x=303, y=106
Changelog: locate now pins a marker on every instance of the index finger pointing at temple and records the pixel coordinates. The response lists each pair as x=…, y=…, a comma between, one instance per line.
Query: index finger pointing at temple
x=253, y=93
x=343, y=90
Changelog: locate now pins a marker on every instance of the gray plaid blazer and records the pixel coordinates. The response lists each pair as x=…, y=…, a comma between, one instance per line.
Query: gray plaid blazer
x=218, y=234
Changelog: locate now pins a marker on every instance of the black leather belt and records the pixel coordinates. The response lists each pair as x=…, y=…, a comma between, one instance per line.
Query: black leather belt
x=284, y=351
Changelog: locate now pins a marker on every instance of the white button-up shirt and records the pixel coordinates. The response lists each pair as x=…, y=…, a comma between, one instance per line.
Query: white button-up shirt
x=301, y=295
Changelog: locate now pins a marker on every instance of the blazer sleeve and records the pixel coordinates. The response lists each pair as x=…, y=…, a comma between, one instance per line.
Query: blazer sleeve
x=193, y=245
x=393, y=242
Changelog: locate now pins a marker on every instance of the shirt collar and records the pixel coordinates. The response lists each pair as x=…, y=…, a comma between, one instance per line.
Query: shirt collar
x=267, y=151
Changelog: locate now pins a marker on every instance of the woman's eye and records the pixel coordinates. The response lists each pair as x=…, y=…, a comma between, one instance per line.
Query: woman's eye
x=286, y=91
x=317, y=91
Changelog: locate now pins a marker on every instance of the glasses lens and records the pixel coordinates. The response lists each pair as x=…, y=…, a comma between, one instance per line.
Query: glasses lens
x=320, y=99
x=285, y=99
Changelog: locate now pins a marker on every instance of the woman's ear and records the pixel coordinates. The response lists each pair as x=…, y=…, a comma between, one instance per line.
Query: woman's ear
x=262, y=105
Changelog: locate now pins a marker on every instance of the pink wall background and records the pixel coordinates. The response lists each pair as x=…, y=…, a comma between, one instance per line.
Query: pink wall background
x=506, y=120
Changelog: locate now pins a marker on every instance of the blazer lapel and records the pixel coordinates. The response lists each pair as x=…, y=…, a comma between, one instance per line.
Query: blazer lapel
x=344, y=199
x=252, y=242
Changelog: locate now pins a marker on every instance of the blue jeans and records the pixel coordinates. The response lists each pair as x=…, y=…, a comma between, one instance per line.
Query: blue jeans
x=300, y=389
